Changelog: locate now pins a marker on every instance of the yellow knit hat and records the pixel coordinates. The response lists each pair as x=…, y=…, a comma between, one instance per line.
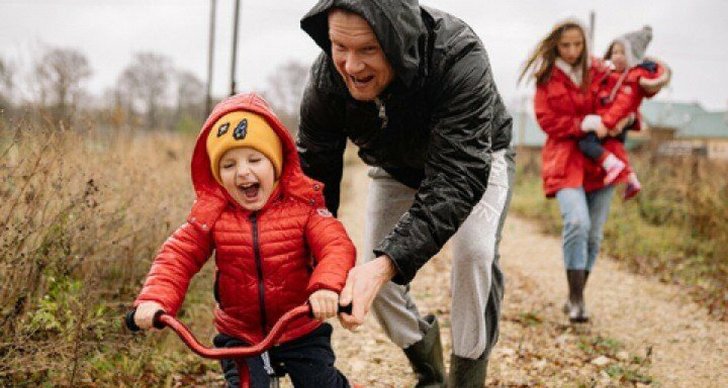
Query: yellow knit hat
x=243, y=129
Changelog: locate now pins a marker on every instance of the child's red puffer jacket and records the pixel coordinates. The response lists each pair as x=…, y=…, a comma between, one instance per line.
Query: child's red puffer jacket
x=617, y=95
x=267, y=261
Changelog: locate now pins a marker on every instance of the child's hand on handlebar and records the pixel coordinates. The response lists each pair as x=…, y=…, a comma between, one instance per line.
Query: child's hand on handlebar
x=324, y=304
x=144, y=314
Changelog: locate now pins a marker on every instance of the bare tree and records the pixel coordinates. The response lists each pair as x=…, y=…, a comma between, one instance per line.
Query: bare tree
x=113, y=112
x=145, y=84
x=190, y=95
x=284, y=91
x=60, y=73
x=6, y=85
x=123, y=96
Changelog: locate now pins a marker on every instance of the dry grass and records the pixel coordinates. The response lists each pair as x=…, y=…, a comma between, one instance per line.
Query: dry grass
x=82, y=213
x=683, y=211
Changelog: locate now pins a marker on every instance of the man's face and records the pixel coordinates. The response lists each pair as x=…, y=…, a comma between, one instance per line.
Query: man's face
x=357, y=55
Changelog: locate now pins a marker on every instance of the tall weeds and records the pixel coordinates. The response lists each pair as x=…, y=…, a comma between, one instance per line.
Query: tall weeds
x=684, y=209
x=82, y=213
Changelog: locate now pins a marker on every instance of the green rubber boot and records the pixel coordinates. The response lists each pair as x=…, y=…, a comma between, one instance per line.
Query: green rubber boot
x=426, y=357
x=467, y=373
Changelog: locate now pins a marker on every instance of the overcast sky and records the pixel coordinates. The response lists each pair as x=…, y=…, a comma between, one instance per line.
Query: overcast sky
x=691, y=36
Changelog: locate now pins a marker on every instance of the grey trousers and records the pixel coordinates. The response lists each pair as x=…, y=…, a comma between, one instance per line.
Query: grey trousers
x=476, y=279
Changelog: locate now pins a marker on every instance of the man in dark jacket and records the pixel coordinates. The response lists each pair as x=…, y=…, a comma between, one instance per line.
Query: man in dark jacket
x=412, y=87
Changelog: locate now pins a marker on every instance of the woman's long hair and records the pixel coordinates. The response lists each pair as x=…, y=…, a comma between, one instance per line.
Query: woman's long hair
x=541, y=61
x=608, y=53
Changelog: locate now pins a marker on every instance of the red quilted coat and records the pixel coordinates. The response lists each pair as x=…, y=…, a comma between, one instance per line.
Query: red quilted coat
x=613, y=105
x=267, y=261
x=560, y=106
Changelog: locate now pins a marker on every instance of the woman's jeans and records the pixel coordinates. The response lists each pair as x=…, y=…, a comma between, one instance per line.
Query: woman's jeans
x=584, y=215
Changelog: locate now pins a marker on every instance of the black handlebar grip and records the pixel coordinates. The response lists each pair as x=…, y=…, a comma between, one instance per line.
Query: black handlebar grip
x=132, y=326
x=156, y=322
x=129, y=321
x=340, y=309
x=345, y=309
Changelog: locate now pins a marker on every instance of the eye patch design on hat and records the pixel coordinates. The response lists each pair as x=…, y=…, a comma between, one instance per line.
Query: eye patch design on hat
x=241, y=130
x=223, y=129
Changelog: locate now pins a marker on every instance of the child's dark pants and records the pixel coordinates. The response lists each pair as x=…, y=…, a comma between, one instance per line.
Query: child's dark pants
x=309, y=361
x=591, y=145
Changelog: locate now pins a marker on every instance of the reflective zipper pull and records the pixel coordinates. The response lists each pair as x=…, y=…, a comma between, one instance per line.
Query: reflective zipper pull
x=267, y=365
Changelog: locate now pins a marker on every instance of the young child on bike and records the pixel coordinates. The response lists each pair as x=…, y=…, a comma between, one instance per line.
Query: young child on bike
x=619, y=94
x=276, y=246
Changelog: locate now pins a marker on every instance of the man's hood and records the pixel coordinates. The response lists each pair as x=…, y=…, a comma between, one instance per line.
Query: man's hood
x=397, y=24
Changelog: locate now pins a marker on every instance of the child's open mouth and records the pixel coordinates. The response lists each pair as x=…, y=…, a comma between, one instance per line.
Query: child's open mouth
x=250, y=190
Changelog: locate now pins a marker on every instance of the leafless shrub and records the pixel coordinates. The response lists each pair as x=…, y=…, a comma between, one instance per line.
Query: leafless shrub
x=82, y=213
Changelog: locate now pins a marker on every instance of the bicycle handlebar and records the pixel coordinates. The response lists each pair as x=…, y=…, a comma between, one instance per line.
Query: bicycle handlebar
x=132, y=326
x=162, y=319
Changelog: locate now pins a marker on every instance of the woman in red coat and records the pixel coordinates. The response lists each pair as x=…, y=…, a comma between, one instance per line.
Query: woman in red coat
x=276, y=246
x=565, y=106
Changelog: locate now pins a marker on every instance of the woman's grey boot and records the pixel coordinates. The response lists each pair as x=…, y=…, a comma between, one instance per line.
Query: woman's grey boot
x=466, y=372
x=577, y=307
x=425, y=356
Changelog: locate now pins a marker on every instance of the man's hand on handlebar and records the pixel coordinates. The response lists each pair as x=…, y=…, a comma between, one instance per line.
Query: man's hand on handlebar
x=362, y=286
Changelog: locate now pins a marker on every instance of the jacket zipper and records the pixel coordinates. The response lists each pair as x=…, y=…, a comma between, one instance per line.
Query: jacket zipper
x=382, y=112
x=259, y=268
